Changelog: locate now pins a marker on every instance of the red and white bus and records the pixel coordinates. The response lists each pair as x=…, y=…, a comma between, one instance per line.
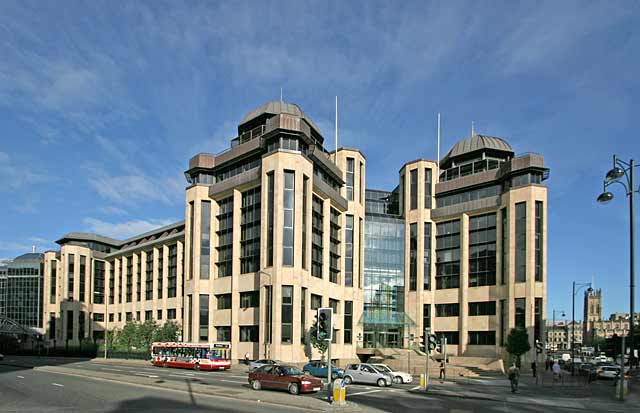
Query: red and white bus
x=197, y=356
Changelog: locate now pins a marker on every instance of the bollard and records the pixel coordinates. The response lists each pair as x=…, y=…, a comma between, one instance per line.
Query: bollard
x=423, y=381
x=339, y=392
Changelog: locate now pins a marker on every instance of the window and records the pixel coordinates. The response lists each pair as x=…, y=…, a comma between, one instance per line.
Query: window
x=472, y=195
x=98, y=282
x=305, y=220
x=452, y=337
x=448, y=310
x=225, y=237
x=413, y=257
x=413, y=195
x=287, y=314
x=160, y=270
x=111, y=317
x=426, y=316
x=334, y=250
x=52, y=326
x=148, y=315
x=427, y=187
x=249, y=334
x=348, y=259
x=268, y=293
x=129, y=277
x=360, y=255
x=159, y=314
x=120, y=263
x=537, y=328
x=189, y=317
x=119, y=317
x=139, y=277
x=482, y=250
x=539, y=227
x=98, y=317
x=224, y=301
x=148, y=277
x=303, y=315
x=348, y=322
x=70, y=276
x=205, y=238
x=482, y=338
x=204, y=317
x=250, y=299
x=83, y=277
x=316, y=237
x=81, y=325
x=52, y=282
x=270, y=219
x=482, y=308
x=223, y=333
x=448, y=255
x=192, y=213
x=427, y=256
x=171, y=314
x=112, y=281
x=505, y=245
x=316, y=301
x=129, y=316
x=69, y=323
x=334, y=304
x=250, y=231
x=350, y=166
x=521, y=242
x=361, y=183
x=288, y=213
x=520, y=312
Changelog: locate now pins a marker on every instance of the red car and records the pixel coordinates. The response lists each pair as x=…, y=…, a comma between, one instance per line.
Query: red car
x=281, y=377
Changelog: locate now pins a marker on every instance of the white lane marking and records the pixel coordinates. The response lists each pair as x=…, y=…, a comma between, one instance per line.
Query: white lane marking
x=151, y=376
x=236, y=381
x=238, y=377
x=363, y=392
x=57, y=384
x=182, y=375
x=109, y=369
x=20, y=377
x=415, y=388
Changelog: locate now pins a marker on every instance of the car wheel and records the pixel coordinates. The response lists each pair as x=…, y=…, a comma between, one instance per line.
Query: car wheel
x=348, y=380
x=382, y=382
x=397, y=380
x=255, y=385
x=196, y=366
x=294, y=389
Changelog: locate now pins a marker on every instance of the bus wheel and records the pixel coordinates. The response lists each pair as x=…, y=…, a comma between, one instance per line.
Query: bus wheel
x=196, y=366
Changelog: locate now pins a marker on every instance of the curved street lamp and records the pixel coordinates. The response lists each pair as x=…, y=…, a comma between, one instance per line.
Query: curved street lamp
x=619, y=170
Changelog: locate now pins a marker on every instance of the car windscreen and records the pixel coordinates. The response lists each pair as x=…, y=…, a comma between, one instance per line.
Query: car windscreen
x=383, y=369
x=292, y=371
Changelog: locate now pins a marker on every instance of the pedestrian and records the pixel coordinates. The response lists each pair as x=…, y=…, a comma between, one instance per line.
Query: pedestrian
x=246, y=358
x=442, y=369
x=547, y=364
x=514, y=375
x=534, y=367
x=556, y=371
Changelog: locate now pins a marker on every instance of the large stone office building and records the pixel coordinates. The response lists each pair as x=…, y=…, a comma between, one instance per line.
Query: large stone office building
x=21, y=287
x=276, y=227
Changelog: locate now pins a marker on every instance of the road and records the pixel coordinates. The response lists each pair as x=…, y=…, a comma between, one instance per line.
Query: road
x=98, y=387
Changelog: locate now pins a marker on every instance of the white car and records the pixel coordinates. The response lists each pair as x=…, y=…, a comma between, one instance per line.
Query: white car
x=399, y=377
x=262, y=362
x=608, y=372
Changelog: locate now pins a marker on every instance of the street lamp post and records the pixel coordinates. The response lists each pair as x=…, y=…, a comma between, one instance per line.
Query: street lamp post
x=573, y=321
x=553, y=335
x=625, y=169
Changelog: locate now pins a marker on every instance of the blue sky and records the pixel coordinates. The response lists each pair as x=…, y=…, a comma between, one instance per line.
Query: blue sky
x=103, y=103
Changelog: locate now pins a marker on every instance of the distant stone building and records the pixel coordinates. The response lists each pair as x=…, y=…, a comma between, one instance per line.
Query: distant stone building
x=595, y=327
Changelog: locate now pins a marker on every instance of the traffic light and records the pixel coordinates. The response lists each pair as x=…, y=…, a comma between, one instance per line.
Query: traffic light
x=325, y=326
x=422, y=344
x=538, y=347
x=433, y=342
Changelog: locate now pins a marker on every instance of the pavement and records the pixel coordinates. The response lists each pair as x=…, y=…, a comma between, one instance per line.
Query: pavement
x=31, y=384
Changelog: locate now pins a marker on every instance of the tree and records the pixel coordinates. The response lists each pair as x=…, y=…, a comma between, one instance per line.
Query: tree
x=146, y=333
x=321, y=346
x=167, y=331
x=518, y=343
x=112, y=337
x=128, y=335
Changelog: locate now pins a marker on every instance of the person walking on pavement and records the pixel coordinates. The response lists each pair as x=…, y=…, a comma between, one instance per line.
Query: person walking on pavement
x=514, y=375
x=556, y=371
x=534, y=367
x=246, y=358
x=441, y=369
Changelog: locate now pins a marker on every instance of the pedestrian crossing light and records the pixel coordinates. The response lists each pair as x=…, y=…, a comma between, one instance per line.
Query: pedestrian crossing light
x=422, y=344
x=539, y=346
x=325, y=329
x=433, y=342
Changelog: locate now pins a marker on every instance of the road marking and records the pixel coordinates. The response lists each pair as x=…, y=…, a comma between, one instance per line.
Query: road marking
x=57, y=384
x=235, y=381
x=20, y=377
x=363, y=392
x=182, y=374
x=109, y=369
x=151, y=376
x=415, y=388
x=239, y=377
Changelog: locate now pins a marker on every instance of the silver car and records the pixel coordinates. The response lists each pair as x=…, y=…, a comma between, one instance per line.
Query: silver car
x=262, y=362
x=366, y=373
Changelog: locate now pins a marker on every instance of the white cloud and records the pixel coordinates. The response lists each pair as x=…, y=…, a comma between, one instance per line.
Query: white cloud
x=123, y=230
x=14, y=177
x=112, y=210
